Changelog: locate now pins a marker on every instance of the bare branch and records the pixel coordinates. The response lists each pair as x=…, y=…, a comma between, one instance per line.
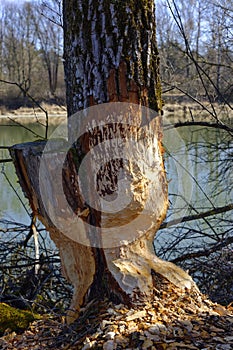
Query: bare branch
x=198, y=216
x=35, y=102
x=200, y=123
x=206, y=252
x=5, y=160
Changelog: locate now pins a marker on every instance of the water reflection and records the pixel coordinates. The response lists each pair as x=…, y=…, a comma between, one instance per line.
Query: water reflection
x=11, y=208
x=193, y=171
x=200, y=152
x=206, y=157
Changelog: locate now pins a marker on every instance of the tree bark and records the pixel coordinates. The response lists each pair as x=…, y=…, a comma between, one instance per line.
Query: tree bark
x=110, y=56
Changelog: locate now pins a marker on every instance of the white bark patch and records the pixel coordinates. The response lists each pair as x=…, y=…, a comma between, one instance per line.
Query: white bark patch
x=102, y=39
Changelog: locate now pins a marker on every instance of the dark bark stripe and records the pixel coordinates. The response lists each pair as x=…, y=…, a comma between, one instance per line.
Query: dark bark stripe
x=110, y=53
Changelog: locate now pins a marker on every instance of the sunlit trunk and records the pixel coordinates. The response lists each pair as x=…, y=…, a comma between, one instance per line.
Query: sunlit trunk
x=110, y=56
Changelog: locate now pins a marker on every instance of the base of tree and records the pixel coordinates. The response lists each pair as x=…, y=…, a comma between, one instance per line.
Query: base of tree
x=175, y=319
x=124, y=272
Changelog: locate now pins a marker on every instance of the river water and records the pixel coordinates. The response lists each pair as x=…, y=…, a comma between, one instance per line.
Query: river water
x=194, y=162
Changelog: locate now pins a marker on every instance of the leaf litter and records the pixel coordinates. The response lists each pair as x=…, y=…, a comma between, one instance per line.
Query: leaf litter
x=174, y=320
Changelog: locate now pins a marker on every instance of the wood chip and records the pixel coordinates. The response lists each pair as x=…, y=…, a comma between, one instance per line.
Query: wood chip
x=135, y=315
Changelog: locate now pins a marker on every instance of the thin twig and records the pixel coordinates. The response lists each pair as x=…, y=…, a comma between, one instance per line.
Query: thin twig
x=205, y=214
x=8, y=160
x=34, y=101
x=196, y=123
x=16, y=193
x=206, y=252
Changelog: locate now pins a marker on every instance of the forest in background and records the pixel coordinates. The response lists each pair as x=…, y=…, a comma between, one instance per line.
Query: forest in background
x=195, y=40
x=196, y=48
x=31, y=46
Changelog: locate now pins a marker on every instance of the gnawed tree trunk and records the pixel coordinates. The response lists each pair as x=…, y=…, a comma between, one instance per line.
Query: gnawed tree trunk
x=110, y=56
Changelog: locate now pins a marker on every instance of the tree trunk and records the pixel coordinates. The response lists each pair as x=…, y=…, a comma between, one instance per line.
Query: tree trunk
x=110, y=57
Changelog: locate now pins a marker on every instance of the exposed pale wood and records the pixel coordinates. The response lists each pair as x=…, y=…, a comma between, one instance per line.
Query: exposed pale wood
x=110, y=55
x=124, y=271
x=77, y=260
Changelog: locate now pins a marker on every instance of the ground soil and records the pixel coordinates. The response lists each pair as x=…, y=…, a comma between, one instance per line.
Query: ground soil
x=176, y=319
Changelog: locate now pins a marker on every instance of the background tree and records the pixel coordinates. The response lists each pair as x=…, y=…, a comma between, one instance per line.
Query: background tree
x=204, y=49
x=49, y=33
x=19, y=52
x=31, y=54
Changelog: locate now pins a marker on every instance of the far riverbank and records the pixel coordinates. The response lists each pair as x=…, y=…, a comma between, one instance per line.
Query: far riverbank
x=173, y=113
